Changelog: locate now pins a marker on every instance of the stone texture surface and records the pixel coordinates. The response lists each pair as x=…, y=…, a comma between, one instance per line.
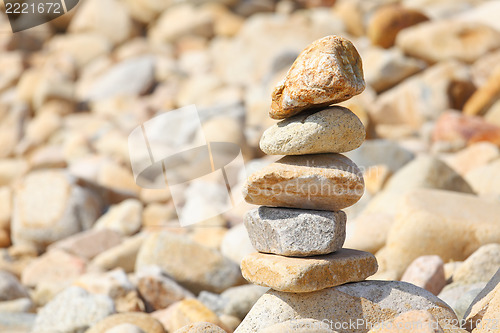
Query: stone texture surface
x=200, y=328
x=426, y=272
x=372, y=301
x=388, y=21
x=302, y=275
x=299, y=325
x=328, y=71
x=453, y=293
x=331, y=130
x=121, y=256
x=124, y=218
x=444, y=39
x=234, y=302
x=90, y=243
x=114, y=284
x=323, y=181
x=142, y=320
x=416, y=321
x=295, y=232
x=472, y=157
x=185, y=312
x=481, y=304
x=194, y=266
x=484, y=179
x=56, y=266
x=73, y=310
x=48, y=206
x=441, y=223
x=480, y=266
x=386, y=68
x=125, y=328
x=423, y=97
x=159, y=290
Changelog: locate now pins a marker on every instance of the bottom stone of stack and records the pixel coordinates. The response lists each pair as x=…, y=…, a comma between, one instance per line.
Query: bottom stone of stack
x=303, y=275
x=351, y=308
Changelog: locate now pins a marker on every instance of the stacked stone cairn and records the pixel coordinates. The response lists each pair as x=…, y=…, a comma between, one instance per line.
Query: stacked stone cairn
x=300, y=229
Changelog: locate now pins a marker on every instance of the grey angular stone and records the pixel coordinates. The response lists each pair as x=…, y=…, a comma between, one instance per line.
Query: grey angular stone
x=73, y=311
x=295, y=232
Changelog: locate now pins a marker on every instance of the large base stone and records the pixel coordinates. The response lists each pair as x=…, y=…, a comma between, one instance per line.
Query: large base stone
x=351, y=308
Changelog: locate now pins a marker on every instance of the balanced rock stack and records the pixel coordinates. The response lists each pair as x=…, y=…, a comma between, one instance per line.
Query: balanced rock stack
x=300, y=229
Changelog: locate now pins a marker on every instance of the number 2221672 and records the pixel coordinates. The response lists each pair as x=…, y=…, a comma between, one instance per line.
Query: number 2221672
x=40, y=8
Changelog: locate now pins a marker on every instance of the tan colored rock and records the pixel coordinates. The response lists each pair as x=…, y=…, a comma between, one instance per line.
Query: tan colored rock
x=142, y=320
x=440, y=40
x=193, y=265
x=484, y=180
x=474, y=156
x=120, y=256
x=491, y=318
x=158, y=289
x=385, y=68
x=89, y=244
x=485, y=96
x=440, y=223
x=185, y=312
x=200, y=327
x=125, y=328
x=302, y=275
x=299, y=325
x=388, y=21
x=480, y=266
x=369, y=302
x=426, y=272
x=376, y=177
x=56, y=267
x=231, y=322
x=124, y=218
x=424, y=96
x=92, y=17
x=416, y=321
x=328, y=71
x=158, y=215
x=48, y=206
x=11, y=170
x=456, y=128
x=209, y=237
x=368, y=232
x=332, y=130
x=481, y=70
x=450, y=268
x=480, y=306
x=324, y=182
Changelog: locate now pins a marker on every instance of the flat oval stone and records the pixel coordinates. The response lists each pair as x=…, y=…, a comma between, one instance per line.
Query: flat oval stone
x=295, y=232
x=328, y=71
x=322, y=181
x=304, y=275
x=332, y=130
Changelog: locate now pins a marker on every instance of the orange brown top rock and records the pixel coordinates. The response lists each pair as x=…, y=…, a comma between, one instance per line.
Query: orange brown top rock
x=328, y=71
